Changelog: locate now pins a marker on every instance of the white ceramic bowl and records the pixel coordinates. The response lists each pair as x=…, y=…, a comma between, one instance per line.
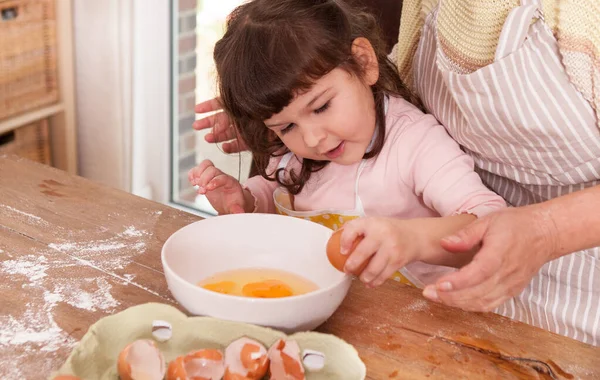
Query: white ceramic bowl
x=228, y=242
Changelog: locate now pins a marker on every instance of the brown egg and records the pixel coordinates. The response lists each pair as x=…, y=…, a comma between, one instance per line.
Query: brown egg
x=285, y=361
x=141, y=360
x=66, y=377
x=245, y=359
x=334, y=252
x=204, y=364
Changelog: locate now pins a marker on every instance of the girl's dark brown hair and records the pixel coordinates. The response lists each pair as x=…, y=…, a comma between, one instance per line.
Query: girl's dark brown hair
x=274, y=49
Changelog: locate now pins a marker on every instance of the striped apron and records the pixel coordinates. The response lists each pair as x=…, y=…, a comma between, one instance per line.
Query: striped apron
x=533, y=137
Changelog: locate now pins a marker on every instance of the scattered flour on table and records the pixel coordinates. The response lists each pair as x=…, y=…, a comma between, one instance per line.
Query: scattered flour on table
x=31, y=218
x=417, y=305
x=112, y=253
x=577, y=370
x=33, y=328
x=131, y=231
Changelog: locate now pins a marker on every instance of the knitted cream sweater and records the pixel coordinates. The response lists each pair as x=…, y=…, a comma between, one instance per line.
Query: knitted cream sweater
x=469, y=30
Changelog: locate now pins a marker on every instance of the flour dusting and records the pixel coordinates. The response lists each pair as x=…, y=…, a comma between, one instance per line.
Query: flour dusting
x=71, y=291
x=577, y=370
x=131, y=231
x=109, y=254
x=39, y=329
x=32, y=267
x=32, y=218
x=418, y=305
x=31, y=327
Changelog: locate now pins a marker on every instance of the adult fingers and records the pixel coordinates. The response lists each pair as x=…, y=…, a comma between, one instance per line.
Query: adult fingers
x=481, y=298
x=218, y=122
x=213, y=104
x=467, y=238
x=234, y=146
x=486, y=263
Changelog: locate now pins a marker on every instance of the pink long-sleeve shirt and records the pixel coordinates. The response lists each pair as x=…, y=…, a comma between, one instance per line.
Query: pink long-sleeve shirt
x=420, y=172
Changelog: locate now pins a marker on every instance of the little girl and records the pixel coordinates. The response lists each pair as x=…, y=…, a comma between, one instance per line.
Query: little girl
x=336, y=140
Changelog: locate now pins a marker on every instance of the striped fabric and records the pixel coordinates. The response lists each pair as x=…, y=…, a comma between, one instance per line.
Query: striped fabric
x=533, y=137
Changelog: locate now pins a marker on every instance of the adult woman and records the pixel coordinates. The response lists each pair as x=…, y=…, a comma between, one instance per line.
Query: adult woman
x=524, y=105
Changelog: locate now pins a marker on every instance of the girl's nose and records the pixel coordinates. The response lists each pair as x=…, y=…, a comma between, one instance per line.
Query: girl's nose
x=313, y=135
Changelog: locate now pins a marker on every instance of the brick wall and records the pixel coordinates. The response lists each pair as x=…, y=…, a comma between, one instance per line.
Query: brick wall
x=186, y=65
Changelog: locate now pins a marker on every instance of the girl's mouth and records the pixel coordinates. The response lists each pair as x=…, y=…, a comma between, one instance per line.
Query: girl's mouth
x=336, y=152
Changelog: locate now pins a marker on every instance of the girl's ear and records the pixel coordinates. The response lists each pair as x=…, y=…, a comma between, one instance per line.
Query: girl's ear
x=363, y=53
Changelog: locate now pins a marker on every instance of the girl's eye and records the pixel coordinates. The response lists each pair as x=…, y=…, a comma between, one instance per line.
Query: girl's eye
x=287, y=128
x=322, y=109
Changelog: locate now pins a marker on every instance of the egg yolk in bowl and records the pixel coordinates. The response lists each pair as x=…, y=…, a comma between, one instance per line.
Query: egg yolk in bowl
x=258, y=283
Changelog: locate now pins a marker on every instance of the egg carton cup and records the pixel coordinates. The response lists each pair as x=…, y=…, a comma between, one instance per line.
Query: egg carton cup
x=95, y=357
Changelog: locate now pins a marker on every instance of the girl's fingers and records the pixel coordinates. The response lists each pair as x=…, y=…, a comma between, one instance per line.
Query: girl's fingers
x=376, y=266
x=195, y=174
x=220, y=180
x=236, y=209
x=207, y=176
x=363, y=252
x=385, y=275
x=351, y=231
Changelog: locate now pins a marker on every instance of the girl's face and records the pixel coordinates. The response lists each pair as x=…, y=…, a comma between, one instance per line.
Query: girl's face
x=334, y=120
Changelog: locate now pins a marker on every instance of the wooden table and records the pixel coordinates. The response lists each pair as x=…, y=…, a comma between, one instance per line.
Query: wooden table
x=73, y=251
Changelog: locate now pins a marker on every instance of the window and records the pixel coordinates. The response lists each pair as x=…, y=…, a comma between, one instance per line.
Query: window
x=197, y=26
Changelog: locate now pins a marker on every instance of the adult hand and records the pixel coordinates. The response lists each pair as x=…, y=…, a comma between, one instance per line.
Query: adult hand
x=222, y=129
x=515, y=244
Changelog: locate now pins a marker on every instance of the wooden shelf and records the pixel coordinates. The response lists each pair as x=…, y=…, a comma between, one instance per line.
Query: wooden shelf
x=29, y=117
x=61, y=115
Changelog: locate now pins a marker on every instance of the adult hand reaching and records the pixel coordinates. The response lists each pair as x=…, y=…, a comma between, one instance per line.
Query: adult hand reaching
x=222, y=129
x=515, y=244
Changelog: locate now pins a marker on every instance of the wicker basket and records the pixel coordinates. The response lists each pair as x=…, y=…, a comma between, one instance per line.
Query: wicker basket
x=30, y=141
x=28, y=67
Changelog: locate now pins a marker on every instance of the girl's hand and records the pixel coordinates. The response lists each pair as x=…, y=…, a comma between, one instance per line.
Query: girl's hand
x=222, y=129
x=389, y=243
x=223, y=191
x=515, y=242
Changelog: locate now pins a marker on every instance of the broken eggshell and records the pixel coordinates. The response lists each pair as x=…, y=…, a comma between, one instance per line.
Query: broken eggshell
x=206, y=364
x=285, y=361
x=245, y=359
x=141, y=360
x=313, y=360
x=161, y=330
